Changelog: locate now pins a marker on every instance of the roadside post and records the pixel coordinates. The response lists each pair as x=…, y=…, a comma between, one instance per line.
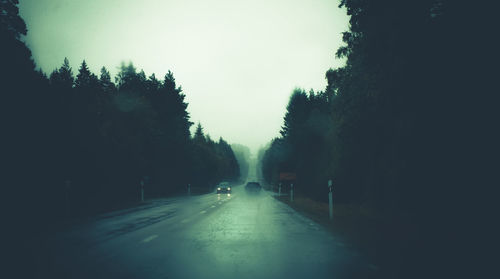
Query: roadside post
x=289, y=177
x=279, y=189
x=189, y=189
x=330, y=199
x=142, y=190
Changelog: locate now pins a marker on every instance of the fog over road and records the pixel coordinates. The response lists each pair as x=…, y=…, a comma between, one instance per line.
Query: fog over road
x=207, y=236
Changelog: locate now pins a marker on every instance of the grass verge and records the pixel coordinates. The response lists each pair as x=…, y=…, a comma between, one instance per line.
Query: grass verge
x=386, y=241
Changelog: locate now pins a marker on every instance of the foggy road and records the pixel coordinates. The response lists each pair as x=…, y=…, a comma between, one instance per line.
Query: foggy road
x=208, y=236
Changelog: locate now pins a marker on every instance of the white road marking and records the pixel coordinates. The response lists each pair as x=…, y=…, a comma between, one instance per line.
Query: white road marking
x=185, y=221
x=203, y=212
x=213, y=206
x=148, y=239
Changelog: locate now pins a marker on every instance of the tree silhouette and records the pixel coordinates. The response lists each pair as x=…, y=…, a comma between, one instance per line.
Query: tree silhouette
x=199, y=136
x=105, y=79
x=62, y=78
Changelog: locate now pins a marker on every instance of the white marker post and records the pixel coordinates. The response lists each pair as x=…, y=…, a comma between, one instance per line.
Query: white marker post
x=279, y=190
x=291, y=192
x=189, y=189
x=330, y=199
x=142, y=190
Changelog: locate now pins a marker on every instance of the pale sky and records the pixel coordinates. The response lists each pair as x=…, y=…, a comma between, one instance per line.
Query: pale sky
x=237, y=61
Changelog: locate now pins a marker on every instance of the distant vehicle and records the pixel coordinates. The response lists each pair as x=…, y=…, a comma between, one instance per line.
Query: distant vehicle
x=223, y=188
x=253, y=187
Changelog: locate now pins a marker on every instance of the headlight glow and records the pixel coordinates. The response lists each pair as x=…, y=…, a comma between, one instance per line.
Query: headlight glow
x=218, y=189
x=228, y=188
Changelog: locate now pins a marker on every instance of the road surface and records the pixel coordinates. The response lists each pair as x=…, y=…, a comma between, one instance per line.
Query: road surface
x=208, y=236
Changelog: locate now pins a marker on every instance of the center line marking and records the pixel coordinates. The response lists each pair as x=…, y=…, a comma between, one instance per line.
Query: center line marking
x=213, y=206
x=203, y=212
x=185, y=221
x=148, y=239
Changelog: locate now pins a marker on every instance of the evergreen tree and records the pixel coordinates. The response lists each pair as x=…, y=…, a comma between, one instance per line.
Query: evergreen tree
x=105, y=80
x=199, y=137
x=83, y=79
x=29, y=144
x=153, y=84
x=62, y=78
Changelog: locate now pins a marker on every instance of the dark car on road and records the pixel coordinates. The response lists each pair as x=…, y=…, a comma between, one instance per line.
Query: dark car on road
x=253, y=187
x=223, y=188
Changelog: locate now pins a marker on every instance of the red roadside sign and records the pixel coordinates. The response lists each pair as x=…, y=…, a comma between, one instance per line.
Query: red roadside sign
x=288, y=176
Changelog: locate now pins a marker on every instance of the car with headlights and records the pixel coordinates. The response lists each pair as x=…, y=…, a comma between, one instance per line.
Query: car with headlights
x=253, y=187
x=223, y=188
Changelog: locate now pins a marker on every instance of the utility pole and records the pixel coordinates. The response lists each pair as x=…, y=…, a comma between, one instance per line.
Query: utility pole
x=189, y=189
x=279, y=190
x=291, y=192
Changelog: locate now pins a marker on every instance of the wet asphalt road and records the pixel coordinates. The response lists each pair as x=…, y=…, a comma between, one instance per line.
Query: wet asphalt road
x=208, y=236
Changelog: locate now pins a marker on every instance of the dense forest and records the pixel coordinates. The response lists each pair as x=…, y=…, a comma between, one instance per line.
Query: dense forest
x=392, y=128
x=79, y=143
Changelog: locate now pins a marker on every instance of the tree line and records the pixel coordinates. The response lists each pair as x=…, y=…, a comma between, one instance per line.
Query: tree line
x=78, y=141
x=403, y=128
x=137, y=129
x=389, y=128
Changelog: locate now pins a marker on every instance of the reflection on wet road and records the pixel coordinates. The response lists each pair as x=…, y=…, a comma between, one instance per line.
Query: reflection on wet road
x=209, y=236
